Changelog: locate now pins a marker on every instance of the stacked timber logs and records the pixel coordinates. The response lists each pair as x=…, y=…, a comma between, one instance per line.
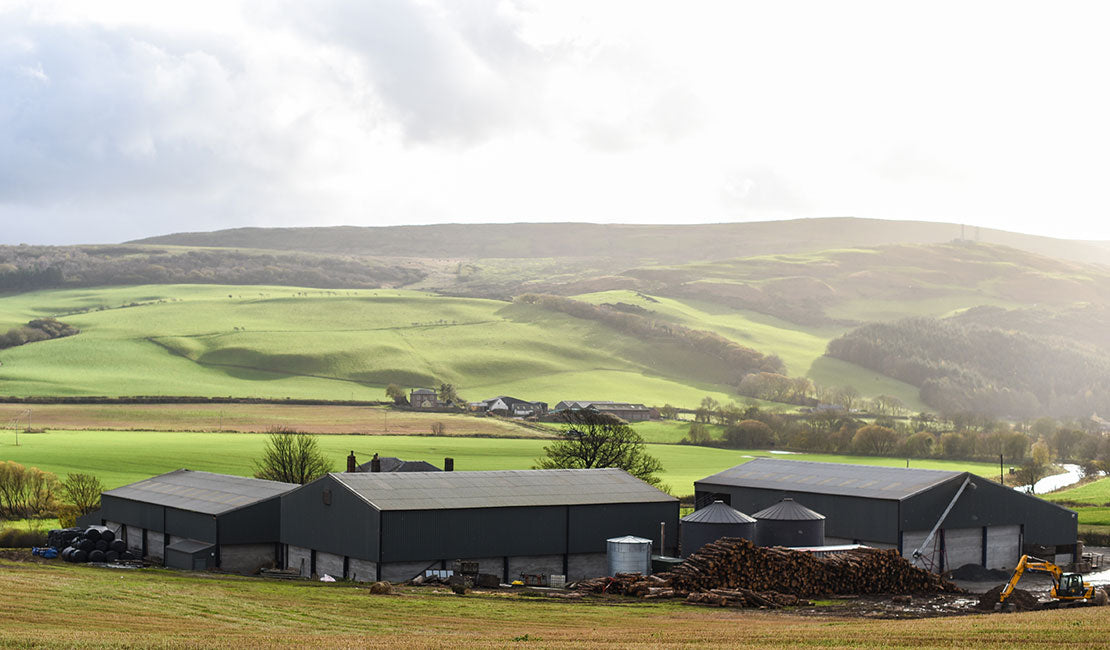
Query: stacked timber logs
x=734, y=572
x=731, y=563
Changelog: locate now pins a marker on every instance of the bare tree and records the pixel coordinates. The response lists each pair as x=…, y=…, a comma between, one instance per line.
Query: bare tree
x=291, y=457
x=600, y=440
x=83, y=491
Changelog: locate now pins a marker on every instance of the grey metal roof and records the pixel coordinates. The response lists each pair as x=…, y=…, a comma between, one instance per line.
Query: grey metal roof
x=499, y=489
x=394, y=464
x=717, y=513
x=895, y=483
x=202, y=492
x=788, y=510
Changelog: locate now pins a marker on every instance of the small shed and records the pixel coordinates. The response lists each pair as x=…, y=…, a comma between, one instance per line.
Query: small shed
x=191, y=555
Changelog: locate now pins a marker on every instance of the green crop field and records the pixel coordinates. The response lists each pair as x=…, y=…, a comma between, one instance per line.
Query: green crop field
x=49, y=604
x=121, y=457
x=277, y=342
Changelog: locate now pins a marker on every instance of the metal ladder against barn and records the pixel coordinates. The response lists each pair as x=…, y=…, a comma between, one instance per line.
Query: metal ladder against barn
x=930, y=563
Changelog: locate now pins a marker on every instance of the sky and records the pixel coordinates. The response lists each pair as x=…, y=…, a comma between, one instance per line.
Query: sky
x=121, y=120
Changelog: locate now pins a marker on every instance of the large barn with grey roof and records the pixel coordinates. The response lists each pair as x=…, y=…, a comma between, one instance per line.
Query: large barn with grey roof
x=977, y=521
x=391, y=526
x=198, y=520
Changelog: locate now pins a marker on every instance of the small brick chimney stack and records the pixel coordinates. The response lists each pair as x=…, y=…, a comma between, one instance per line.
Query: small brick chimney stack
x=448, y=464
x=375, y=464
x=352, y=464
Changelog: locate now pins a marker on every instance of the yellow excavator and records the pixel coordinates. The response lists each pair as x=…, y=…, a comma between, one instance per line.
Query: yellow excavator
x=1067, y=588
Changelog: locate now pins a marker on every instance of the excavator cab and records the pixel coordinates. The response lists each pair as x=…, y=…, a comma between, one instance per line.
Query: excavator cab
x=1071, y=586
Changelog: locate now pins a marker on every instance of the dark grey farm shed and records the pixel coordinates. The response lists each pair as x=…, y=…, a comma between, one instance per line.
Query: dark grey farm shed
x=191, y=520
x=977, y=521
x=389, y=526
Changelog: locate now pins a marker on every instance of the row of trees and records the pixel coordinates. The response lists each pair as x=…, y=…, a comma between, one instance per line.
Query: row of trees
x=29, y=492
x=40, y=329
x=961, y=365
x=27, y=268
x=743, y=359
x=923, y=436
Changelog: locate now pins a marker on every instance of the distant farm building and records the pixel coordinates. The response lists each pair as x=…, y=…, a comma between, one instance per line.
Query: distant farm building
x=623, y=410
x=509, y=406
x=888, y=507
x=424, y=398
x=393, y=464
x=197, y=520
x=395, y=526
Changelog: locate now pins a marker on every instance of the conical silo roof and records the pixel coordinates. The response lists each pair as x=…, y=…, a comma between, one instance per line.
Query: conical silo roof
x=718, y=513
x=788, y=510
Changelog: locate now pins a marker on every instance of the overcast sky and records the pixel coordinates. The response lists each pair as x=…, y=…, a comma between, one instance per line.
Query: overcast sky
x=121, y=120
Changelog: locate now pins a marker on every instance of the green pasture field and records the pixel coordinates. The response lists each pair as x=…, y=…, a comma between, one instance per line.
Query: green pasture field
x=121, y=457
x=276, y=342
x=801, y=348
x=1095, y=493
x=50, y=604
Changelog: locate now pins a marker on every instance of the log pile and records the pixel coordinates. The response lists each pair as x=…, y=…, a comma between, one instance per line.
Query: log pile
x=734, y=572
x=731, y=563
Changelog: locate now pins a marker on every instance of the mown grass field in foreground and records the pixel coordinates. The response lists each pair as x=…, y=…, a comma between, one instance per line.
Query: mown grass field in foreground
x=54, y=605
x=121, y=457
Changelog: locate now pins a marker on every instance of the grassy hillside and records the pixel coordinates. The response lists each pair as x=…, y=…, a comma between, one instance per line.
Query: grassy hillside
x=290, y=342
x=121, y=457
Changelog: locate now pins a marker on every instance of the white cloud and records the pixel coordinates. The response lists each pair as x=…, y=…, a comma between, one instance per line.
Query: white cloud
x=129, y=119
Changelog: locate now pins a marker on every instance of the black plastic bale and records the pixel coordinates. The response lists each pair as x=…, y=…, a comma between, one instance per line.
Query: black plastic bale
x=118, y=545
x=111, y=556
x=87, y=545
x=102, y=545
x=79, y=556
x=92, y=534
x=96, y=556
x=107, y=535
x=67, y=553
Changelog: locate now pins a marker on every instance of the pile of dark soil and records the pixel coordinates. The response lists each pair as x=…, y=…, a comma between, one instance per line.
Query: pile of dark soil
x=977, y=573
x=1022, y=600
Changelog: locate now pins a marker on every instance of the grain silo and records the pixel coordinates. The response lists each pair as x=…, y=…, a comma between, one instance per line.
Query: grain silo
x=711, y=523
x=789, y=523
x=629, y=554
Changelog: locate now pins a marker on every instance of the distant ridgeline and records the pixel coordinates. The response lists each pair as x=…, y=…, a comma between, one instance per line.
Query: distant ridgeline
x=962, y=364
x=41, y=329
x=29, y=268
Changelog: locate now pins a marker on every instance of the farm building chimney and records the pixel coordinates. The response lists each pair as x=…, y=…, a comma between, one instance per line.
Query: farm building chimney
x=352, y=464
x=448, y=464
x=375, y=464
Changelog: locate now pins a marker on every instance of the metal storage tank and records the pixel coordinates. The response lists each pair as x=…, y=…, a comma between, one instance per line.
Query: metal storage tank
x=629, y=554
x=789, y=523
x=711, y=523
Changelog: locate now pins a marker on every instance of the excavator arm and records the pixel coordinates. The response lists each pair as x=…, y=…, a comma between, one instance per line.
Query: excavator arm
x=1064, y=586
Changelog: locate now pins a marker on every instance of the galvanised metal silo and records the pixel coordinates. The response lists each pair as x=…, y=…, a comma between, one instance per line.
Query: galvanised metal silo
x=629, y=554
x=789, y=523
x=711, y=523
